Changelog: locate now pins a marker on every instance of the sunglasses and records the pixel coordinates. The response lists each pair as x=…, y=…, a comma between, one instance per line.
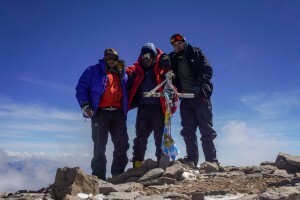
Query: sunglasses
x=108, y=57
x=176, y=38
x=147, y=56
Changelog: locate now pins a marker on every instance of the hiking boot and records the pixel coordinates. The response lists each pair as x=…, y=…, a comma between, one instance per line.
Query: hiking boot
x=136, y=163
x=187, y=162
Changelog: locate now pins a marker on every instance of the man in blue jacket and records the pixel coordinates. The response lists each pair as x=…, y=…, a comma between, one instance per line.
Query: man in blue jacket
x=102, y=95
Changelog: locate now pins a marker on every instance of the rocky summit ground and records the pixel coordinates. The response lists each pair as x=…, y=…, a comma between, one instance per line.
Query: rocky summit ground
x=278, y=180
x=219, y=184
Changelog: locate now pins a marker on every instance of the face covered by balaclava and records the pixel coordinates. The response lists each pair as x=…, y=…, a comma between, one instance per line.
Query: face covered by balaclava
x=148, y=55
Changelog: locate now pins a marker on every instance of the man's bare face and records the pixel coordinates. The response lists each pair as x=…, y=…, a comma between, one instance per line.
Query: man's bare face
x=179, y=46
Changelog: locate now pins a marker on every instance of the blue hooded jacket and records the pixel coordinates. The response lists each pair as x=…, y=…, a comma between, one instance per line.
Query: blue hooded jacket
x=92, y=84
x=149, y=48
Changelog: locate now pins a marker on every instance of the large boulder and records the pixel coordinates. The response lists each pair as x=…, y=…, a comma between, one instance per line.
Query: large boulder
x=288, y=162
x=175, y=171
x=73, y=181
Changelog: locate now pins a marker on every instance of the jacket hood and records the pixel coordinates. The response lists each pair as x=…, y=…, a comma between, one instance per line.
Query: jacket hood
x=149, y=47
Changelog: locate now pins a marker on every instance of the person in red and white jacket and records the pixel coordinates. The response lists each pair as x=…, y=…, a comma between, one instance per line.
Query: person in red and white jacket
x=143, y=76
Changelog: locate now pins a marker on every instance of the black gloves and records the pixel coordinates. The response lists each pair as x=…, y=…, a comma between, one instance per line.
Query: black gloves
x=164, y=61
x=206, y=85
x=207, y=89
x=120, y=67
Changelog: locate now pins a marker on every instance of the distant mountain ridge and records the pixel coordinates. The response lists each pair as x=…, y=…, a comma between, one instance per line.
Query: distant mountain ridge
x=21, y=165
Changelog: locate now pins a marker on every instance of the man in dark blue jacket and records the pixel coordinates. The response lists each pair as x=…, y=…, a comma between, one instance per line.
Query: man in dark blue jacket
x=102, y=95
x=193, y=74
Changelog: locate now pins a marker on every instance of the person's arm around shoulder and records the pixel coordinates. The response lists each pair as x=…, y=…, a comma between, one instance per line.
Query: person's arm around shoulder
x=130, y=71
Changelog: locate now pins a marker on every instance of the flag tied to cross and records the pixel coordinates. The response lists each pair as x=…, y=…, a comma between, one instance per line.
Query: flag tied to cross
x=171, y=96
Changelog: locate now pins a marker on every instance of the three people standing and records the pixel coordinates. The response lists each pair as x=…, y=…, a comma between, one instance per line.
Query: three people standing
x=105, y=93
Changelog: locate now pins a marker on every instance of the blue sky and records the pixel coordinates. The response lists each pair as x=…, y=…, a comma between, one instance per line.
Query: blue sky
x=253, y=47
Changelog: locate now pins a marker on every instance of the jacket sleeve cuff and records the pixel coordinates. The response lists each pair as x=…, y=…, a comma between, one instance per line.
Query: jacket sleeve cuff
x=84, y=104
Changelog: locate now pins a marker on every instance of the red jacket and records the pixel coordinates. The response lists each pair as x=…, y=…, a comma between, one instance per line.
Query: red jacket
x=138, y=73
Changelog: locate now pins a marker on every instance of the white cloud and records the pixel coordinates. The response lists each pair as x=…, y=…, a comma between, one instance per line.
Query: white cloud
x=32, y=171
x=47, y=84
x=42, y=126
x=273, y=104
x=3, y=157
x=12, y=181
x=239, y=144
x=18, y=174
x=37, y=128
x=25, y=155
x=12, y=109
